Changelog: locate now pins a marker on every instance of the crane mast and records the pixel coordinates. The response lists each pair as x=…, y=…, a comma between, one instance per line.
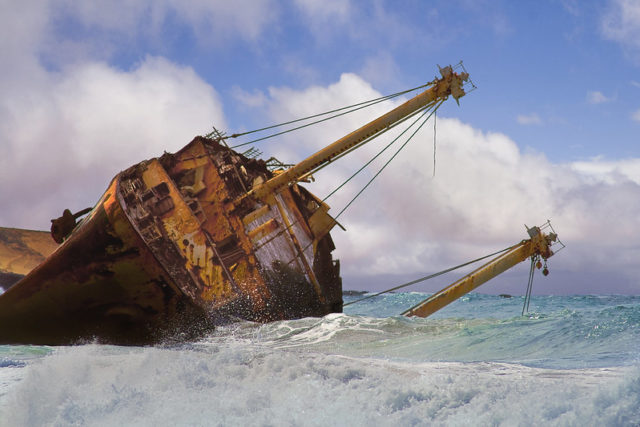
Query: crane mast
x=451, y=83
x=538, y=245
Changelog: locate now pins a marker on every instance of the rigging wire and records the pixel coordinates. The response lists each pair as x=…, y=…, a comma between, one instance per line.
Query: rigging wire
x=424, y=110
x=393, y=95
x=353, y=108
x=359, y=106
x=376, y=175
x=431, y=276
x=368, y=139
x=435, y=117
x=350, y=108
x=527, y=295
x=388, y=161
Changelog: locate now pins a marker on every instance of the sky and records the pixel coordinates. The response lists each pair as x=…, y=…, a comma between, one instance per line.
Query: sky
x=88, y=89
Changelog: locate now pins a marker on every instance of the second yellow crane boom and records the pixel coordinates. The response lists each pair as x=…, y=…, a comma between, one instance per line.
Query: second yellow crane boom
x=539, y=244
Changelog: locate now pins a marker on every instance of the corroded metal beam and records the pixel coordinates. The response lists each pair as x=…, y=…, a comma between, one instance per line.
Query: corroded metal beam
x=539, y=244
x=450, y=84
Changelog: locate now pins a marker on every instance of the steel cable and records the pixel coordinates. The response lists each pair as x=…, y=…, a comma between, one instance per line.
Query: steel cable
x=350, y=108
x=431, y=276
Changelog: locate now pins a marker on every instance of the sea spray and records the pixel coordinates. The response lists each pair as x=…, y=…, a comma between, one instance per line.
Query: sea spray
x=571, y=361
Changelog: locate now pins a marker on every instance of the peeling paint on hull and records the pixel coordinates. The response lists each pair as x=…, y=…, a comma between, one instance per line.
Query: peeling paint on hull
x=203, y=233
x=166, y=251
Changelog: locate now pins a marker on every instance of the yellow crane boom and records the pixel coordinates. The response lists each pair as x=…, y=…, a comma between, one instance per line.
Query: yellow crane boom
x=449, y=84
x=539, y=244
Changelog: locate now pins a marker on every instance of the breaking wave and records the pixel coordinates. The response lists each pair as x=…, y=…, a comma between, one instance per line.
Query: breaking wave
x=573, y=361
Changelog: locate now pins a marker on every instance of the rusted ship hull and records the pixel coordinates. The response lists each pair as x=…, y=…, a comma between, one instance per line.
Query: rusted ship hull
x=171, y=246
x=201, y=234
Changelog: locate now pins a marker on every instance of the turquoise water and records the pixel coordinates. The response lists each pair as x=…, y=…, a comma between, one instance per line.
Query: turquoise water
x=570, y=361
x=557, y=332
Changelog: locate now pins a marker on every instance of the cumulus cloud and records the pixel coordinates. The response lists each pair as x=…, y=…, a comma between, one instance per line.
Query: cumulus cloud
x=65, y=133
x=529, y=119
x=635, y=116
x=484, y=191
x=621, y=23
x=64, y=142
x=359, y=24
x=208, y=20
x=284, y=104
x=248, y=99
x=323, y=18
x=68, y=31
x=599, y=170
x=381, y=70
x=325, y=10
x=596, y=97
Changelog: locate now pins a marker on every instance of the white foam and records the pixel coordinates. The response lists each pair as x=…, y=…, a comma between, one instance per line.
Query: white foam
x=231, y=381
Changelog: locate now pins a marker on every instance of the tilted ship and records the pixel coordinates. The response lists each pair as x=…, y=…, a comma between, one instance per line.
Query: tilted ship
x=180, y=240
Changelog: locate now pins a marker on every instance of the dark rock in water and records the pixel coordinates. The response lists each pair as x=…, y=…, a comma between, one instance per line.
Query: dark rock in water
x=9, y=279
x=504, y=296
x=354, y=293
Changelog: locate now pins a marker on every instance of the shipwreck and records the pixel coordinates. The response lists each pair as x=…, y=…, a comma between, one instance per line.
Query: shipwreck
x=201, y=235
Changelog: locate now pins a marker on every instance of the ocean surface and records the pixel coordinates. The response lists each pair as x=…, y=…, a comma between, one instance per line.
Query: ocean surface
x=571, y=361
